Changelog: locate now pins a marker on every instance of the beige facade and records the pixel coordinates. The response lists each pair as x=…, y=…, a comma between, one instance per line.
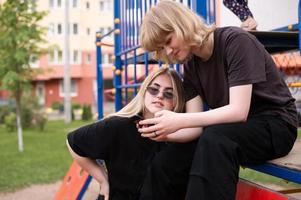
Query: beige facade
x=85, y=18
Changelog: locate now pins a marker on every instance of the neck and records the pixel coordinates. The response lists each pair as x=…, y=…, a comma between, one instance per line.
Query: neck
x=205, y=51
x=148, y=115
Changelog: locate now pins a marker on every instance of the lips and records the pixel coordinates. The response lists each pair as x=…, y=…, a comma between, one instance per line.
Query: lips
x=176, y=53
x=158, y=103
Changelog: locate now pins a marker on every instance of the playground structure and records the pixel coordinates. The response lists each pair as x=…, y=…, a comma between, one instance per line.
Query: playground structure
x=132, y=64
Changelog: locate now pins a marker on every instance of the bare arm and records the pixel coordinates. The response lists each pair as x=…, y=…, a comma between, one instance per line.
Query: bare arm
x=237, y=110
x=98, y=172
x=188, y=134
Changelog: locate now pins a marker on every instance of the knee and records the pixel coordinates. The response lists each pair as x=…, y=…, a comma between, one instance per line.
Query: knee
x=210, y=137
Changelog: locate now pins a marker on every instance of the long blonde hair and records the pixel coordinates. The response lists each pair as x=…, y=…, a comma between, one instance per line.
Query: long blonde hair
x=172, y=17
x=136, y=105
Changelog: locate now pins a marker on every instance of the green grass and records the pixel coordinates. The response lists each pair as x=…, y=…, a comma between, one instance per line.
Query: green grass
x=45, y=158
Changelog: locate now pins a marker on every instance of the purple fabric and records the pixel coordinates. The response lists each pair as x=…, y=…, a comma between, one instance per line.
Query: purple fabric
x=239, y=8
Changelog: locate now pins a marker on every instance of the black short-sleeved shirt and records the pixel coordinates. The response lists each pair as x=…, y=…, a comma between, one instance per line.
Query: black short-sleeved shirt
x=238, y=58
x=127, y=155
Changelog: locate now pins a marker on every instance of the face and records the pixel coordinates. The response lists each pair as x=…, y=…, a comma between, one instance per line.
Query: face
x=159, y=95
x=176, y=49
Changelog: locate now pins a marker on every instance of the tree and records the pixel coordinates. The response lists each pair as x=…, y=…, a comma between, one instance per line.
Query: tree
x=21, y=40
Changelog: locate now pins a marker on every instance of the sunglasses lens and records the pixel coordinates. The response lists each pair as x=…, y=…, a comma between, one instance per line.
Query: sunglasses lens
x=153, y=91
x=168, y=95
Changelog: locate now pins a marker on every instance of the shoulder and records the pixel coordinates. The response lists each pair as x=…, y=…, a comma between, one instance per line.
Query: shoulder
x=231, y=32
x=115, y=121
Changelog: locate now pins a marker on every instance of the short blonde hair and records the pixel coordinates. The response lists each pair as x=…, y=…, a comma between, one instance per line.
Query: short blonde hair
x=136, y=105
x=167, y=17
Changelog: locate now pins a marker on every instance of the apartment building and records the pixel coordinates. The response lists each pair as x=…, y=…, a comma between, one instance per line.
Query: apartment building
x=86, y=17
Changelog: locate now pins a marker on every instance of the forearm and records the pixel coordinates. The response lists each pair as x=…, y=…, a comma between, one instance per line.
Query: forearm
x=225, y=114
x=97, y=171
x=184, y=135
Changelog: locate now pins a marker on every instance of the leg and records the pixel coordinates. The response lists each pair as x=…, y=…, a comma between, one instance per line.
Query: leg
x=223, y=148
x=239, y=8
x=168, y=174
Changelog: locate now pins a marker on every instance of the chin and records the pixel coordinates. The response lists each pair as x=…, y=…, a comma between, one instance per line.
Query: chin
x=182, y=59
x=156, y=109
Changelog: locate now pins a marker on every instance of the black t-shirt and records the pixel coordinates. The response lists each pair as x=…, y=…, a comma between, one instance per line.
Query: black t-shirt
x=238, y=58
x=127, y=155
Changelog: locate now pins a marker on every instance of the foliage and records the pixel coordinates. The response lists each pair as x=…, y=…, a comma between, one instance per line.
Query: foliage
x=21, y=40
x=76, y=106
x=87, y=112
x=10, y=122
x=4, y=111
x=40, y=119
x=32, y=113
x=57, y=106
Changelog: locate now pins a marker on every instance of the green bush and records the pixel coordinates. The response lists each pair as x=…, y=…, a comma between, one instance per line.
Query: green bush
x=40, y=119
x=57, y=106
x=76, y=106
x=26, y=116
x=87, y=112
x=4, y=111
x=10, y=122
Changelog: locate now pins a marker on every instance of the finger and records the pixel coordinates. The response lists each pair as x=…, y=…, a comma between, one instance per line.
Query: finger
x=149, y=129
x=150, y=121
x=148, y=135
x=106, y=197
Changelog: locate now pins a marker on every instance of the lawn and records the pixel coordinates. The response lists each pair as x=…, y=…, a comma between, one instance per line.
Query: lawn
x=46, y=159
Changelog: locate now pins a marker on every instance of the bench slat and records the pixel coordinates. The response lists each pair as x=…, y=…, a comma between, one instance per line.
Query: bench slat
x=287, y=167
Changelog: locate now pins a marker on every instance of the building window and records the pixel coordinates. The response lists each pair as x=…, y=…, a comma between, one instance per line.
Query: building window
x=109, y=5
x=74, y=3
x=101, y=6
x=88, y=58
x=51, y=57
x=87, y=5
x=51, y=30
x=105, y=5
x=60, y=56
x=75, y=57
x=51, y=3
x=55, y=57
x=73, y=88
x=34, y=61
x=110, y=58
x=75, y=28
x=59, y=3
x=107, y=58
x=59, y=29
x=102, y=30
x=88, y=31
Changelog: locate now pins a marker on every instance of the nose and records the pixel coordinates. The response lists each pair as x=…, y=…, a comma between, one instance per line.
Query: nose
x=168, y=50
x=160, y=95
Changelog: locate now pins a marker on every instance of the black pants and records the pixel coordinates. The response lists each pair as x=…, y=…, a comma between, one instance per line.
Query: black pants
x=167, y=177
x=223, y=148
